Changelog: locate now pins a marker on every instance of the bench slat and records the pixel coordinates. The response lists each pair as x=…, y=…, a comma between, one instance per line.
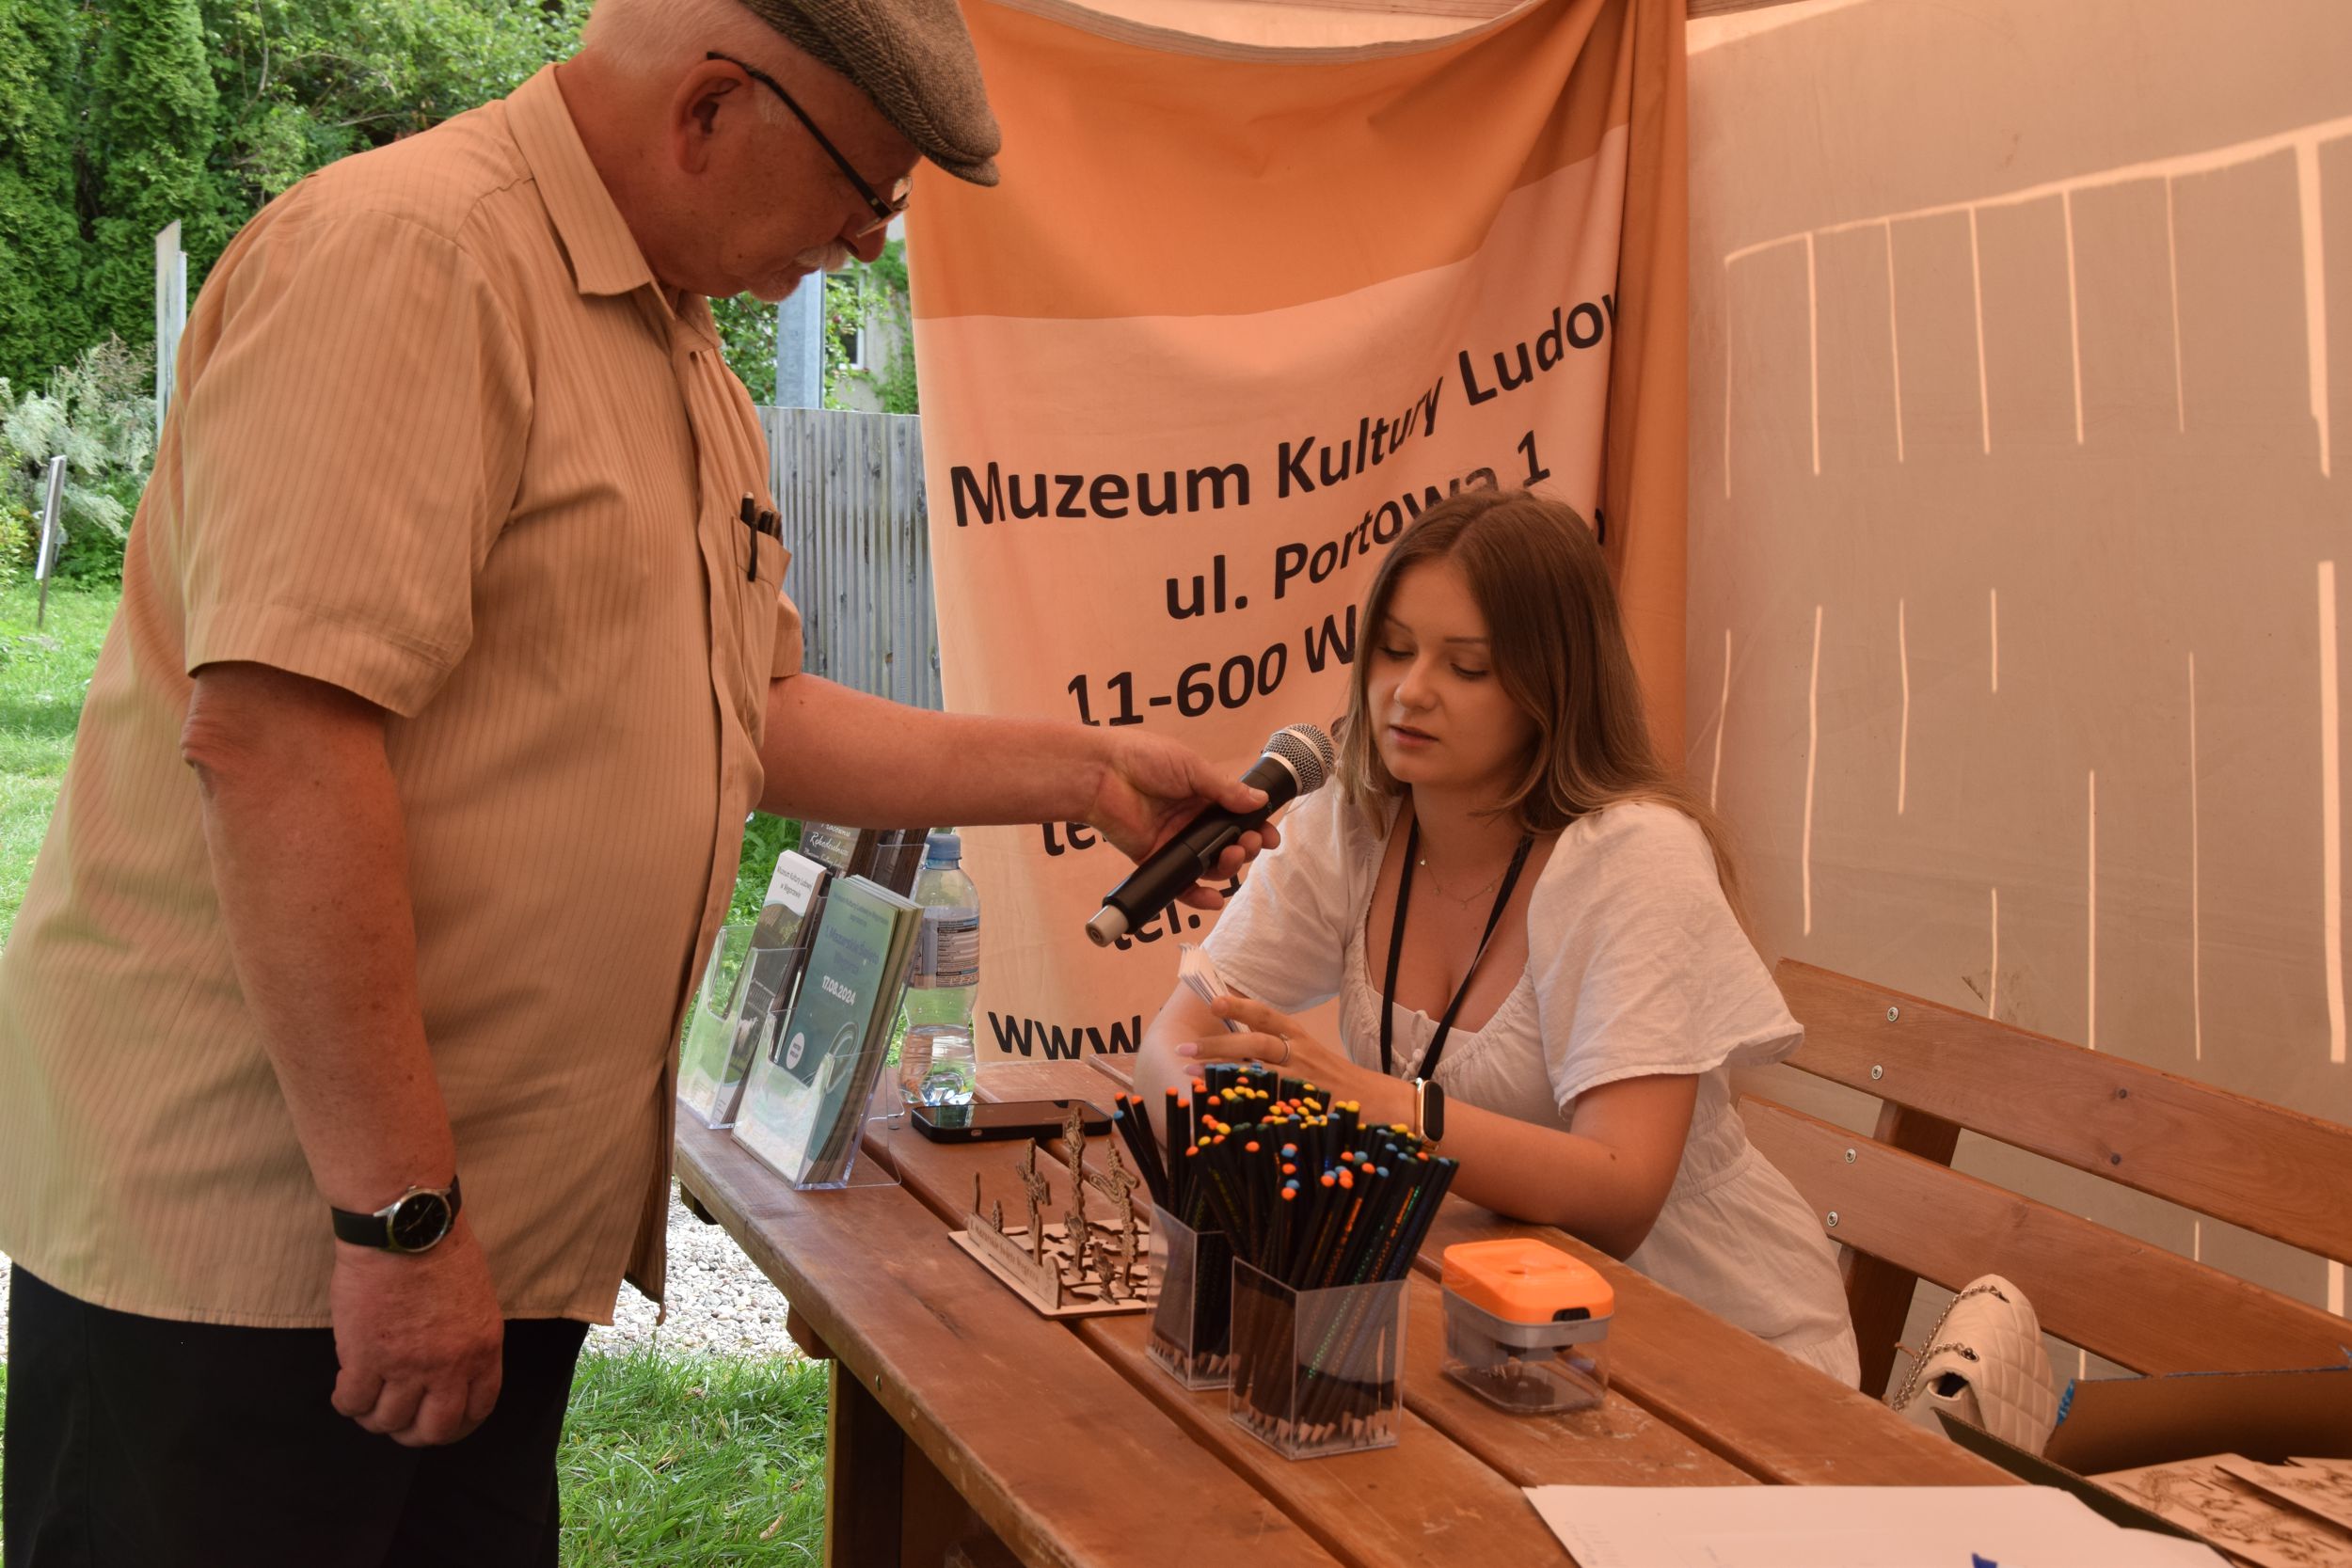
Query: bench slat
x=1424, y=1503
x=2134, y=1302
x=2274, y=1171
x=1619, y=1443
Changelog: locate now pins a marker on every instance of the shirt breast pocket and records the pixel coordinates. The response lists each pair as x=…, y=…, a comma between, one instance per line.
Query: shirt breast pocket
x=760, y=593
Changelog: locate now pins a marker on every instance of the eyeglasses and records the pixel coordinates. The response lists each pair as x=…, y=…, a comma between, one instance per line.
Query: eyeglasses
x=884, y=208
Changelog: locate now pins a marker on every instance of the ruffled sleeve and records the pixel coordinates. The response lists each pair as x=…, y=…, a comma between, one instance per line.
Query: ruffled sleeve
x=1639, y=966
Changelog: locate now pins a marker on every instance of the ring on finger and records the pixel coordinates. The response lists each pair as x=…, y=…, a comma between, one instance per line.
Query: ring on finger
x=1286, y=1050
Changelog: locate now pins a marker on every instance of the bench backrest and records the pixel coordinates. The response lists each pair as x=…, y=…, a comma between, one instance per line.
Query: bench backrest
x=1905, y=1216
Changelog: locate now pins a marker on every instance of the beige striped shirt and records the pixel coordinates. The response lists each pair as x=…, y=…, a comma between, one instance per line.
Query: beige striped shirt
x=440, y=441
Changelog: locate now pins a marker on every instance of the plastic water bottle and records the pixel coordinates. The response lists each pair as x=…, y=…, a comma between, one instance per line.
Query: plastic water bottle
x=936, y=1062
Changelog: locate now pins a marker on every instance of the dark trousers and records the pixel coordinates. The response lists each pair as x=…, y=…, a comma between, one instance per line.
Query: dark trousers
x=139, y=1441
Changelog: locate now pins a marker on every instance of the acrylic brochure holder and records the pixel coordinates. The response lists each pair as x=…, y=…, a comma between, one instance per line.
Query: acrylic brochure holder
x=754, y=972
x=705, y=1086
x=811, y=1126
x=810, y=1093
x=876, y=1163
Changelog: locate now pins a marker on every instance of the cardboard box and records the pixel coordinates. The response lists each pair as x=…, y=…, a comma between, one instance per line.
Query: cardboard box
x=2123, y=1424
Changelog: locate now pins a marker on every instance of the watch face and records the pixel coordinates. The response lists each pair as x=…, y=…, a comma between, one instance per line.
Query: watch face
x=420, y=1220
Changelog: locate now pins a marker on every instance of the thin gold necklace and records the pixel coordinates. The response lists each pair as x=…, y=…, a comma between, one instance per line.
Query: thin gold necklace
x=1472, y=896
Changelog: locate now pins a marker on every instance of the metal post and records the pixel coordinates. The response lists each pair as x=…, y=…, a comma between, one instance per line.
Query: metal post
x=800, y=345
x=171, y=313
x=45, y=558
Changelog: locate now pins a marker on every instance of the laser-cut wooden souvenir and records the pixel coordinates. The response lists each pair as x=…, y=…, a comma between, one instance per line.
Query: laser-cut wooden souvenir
x=1120, y=1183
x=1072, y=1268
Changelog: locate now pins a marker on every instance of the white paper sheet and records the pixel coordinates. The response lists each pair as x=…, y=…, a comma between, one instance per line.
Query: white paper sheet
x=1848, y=1527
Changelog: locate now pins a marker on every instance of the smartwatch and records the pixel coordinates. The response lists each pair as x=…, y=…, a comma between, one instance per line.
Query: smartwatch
x=416, y=1221
x=1428, y=1110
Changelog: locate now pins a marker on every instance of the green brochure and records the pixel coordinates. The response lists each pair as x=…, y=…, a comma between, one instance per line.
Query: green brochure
x=806, y=1097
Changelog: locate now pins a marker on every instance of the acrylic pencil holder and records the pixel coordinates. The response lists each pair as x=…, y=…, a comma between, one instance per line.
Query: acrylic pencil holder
x=1191, y=1327
x=1319, y=1371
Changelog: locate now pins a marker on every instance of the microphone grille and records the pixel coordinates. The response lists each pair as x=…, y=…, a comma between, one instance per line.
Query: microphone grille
x=1308, y=751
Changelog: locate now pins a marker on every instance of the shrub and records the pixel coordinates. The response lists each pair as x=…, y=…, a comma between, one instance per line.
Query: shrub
x=97, y=416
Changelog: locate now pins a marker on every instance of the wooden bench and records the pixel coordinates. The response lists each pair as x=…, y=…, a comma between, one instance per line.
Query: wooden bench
x=1903, y=1214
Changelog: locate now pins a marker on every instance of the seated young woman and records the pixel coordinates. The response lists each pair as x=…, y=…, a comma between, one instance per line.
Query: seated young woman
x=1511, y=898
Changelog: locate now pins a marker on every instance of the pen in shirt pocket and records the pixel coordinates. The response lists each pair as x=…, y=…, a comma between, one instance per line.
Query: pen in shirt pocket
x=749, y=515
x=757, y=521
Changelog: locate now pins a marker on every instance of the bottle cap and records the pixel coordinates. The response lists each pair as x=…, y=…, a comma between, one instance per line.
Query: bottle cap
x=943, y=846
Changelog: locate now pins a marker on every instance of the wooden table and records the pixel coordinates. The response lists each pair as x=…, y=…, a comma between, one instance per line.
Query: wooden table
x=963, y=1418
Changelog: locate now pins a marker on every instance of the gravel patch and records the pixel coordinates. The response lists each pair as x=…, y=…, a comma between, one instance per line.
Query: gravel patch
x=720, y=1303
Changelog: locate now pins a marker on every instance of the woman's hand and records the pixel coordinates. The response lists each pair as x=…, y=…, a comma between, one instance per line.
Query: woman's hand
x=1277, y=1040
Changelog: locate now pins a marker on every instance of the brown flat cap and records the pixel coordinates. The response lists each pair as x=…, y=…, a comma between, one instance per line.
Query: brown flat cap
x=914, y=58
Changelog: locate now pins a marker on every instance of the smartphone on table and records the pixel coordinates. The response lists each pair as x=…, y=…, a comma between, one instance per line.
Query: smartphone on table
x=1003, y=1118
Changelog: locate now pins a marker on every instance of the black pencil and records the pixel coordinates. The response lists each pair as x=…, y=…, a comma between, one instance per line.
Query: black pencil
x=1131, y=1132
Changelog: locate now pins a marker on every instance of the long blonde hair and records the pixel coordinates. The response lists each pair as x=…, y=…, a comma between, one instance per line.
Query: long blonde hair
x=1559, y=651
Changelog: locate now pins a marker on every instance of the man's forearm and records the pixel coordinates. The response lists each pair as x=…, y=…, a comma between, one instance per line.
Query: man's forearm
x=843, y=757
x=309, y=858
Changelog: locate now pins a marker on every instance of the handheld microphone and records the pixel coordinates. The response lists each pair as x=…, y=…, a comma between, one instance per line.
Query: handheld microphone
x=1296, y=759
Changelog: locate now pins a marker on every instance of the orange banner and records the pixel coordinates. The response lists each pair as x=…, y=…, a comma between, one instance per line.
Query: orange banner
x=1235, y=317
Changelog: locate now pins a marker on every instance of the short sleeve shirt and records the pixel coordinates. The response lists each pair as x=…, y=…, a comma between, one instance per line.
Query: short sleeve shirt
x=1636, y=967
x=437, y=438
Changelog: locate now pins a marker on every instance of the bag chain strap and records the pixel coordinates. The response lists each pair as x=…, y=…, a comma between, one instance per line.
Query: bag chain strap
x=1919, y=1364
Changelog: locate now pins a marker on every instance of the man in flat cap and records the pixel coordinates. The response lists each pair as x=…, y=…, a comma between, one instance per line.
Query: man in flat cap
x=336, y=1029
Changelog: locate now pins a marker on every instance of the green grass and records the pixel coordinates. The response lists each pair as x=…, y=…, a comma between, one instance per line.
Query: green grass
x=44, y=676
x=693, y=1462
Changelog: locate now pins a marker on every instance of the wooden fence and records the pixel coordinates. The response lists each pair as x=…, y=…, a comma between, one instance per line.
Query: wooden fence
x=851, y=489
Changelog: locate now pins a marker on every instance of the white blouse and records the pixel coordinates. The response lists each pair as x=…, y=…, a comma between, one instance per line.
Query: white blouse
x=1636, y=967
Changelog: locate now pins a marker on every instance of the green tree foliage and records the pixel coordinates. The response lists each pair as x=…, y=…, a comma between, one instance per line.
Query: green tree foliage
x=302, y=83
x=40, y=239
x=119, y=116
x=747, y=336
x=856, y=298
x=858, y=295
x=146, y=156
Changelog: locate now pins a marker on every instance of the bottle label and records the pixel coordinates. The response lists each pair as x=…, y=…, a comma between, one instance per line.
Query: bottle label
x=950, y=953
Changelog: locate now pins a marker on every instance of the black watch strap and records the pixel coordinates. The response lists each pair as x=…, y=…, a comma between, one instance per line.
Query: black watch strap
x=433, y=1212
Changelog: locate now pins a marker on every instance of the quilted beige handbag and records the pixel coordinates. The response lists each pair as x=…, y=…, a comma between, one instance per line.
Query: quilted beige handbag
x=1984, y=1362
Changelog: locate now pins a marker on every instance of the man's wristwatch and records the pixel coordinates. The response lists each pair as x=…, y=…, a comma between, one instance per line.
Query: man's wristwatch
x=1428, y=1110
x=416, y=1221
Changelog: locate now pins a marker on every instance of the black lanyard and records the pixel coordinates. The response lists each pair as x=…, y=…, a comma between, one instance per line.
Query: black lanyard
x=1396, y=948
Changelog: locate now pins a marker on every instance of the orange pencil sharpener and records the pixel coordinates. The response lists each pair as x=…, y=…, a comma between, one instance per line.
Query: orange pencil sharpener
x=1526, y=1326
